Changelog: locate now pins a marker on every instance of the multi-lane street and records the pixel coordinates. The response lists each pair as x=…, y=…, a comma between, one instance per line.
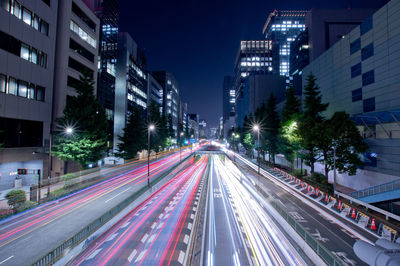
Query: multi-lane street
x=155, y=232
x=332, y=230
x=238, y=229
x=39, y=230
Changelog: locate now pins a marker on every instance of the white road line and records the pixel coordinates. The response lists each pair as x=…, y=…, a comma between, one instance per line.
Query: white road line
x=141, y=255
x=133, y=254
x=111, y=237
x=192, y=216
x=7, y=259
x=125, y=225
x=153, y=236
x=186, y=239
x=117, y=195
x=190, y=226
x=181, y=257
x=94, y=254
x=144, y=238
x=153, y=225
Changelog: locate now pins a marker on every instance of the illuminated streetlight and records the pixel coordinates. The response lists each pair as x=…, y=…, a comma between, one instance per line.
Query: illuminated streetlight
x=256, y=128
x=150, y=128
x=180, y=146
x=69, y=130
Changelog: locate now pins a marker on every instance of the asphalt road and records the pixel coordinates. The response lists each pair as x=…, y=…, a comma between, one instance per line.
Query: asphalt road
x=27, y=237
x=155, y=232
x=237, y=229
x=332, y=230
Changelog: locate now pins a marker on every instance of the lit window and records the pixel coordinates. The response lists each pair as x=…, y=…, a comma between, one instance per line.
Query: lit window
x=12, y=86
x=31, y=91
x=24, y=52
x=27, y=16
x=3, y=83
x=23, y=89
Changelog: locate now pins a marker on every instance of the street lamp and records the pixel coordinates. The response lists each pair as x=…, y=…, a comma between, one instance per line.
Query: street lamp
x=257, y=129
x=180, y=146
x=149, y=129
x=334, y=168
x=191, y=144
x=234, y=136
x=69, y=131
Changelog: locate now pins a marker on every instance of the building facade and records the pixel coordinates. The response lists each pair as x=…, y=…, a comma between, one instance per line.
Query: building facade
x=170, y=96
x=131, y=85
x=253, y=57
x=108, y=12
x=193, y=122
x=27, y=47
x=154, y=92
x=360, y=75
x=281, y=28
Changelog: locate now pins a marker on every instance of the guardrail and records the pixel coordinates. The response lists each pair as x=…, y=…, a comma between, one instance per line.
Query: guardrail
x=394, y=185
x=322, y=251
x=58, y=252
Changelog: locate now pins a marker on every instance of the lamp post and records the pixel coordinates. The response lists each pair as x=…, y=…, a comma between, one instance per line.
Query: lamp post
x=334, y=169
x=149, y=129
x=191, y=145
x=257, y=129
x=68, y=131
x=180, y=146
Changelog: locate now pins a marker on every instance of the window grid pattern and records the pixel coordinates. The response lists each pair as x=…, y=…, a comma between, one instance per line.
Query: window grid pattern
x=13, y=86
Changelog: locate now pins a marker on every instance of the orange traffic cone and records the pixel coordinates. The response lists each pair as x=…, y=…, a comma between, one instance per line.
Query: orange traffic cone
x=353, y=215
x=373, y=227
x=340, y=205
x=326, y=198
x=316, y=191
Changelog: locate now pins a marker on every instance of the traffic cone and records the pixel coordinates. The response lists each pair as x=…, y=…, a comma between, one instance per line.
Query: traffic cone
x=353, y=215
x=326, y=198
x=340, y=205
x=373, y=226
x=316, y=191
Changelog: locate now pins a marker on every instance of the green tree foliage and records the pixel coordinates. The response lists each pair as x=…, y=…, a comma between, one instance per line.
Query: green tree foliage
x=248, y=144
x=86, y=115
x=16, y=198
x=343, y=135
x=289, y=139
x=309, y=126
x=133, y=139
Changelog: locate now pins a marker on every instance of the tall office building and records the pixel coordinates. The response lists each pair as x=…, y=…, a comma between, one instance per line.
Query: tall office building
x=282, y=27
x=254, y=57
x=182, y=117
x=27, y=46
x=170, y=96
x=360, y=75
x=108, y=12
x=76, y=52
x=154, y=91
x=131, y=83
x=228, y=98
x=193, y=121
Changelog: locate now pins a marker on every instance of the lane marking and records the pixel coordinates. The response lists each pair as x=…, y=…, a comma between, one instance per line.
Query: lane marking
x=133, y=254
x=190, y=226
x=111, y=237
x=7, y=259
x=139, y=258
x=181, y=257
x=94, y=254
x=186, y=239
x=144, y=238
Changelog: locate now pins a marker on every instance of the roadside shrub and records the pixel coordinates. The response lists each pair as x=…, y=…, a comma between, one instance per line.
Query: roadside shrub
x=26, y=206
x=16, y=198
x=297, y=173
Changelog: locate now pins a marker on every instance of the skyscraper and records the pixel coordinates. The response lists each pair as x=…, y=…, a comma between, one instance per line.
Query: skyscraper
x=281, y=28
x=228, y=98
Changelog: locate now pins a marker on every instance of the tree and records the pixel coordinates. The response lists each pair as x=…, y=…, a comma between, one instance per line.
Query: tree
x=309, y=125
x=16, y=198
x=88, y=118
x=291, y=108
x=289, y=139
x=248, y=144
x=343, y=136
x=171, y=132
x=272, y=125
x=133, y=139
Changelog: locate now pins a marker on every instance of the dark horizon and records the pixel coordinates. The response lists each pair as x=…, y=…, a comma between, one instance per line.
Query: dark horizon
x=197, y=41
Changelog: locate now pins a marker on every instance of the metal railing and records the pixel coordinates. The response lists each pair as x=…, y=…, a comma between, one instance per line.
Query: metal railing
x=58, y=252
x=391, y=186
x=322, y=251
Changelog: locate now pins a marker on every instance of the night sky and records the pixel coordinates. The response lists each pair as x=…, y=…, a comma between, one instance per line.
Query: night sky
x=197, y=41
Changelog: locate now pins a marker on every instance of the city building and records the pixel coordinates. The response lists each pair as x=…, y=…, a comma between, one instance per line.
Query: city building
x=182, y=117
x=257, y=89
x=228, y=98
x=107, y=11
x=253, y=57
x=204, y=131
x=170, y=95
x=359, y=74
x=193, y=122
x=281, y=28
x=324, y=27
x=27, y=47
x=154, y=92
x=131, y=88
x=77, y=49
